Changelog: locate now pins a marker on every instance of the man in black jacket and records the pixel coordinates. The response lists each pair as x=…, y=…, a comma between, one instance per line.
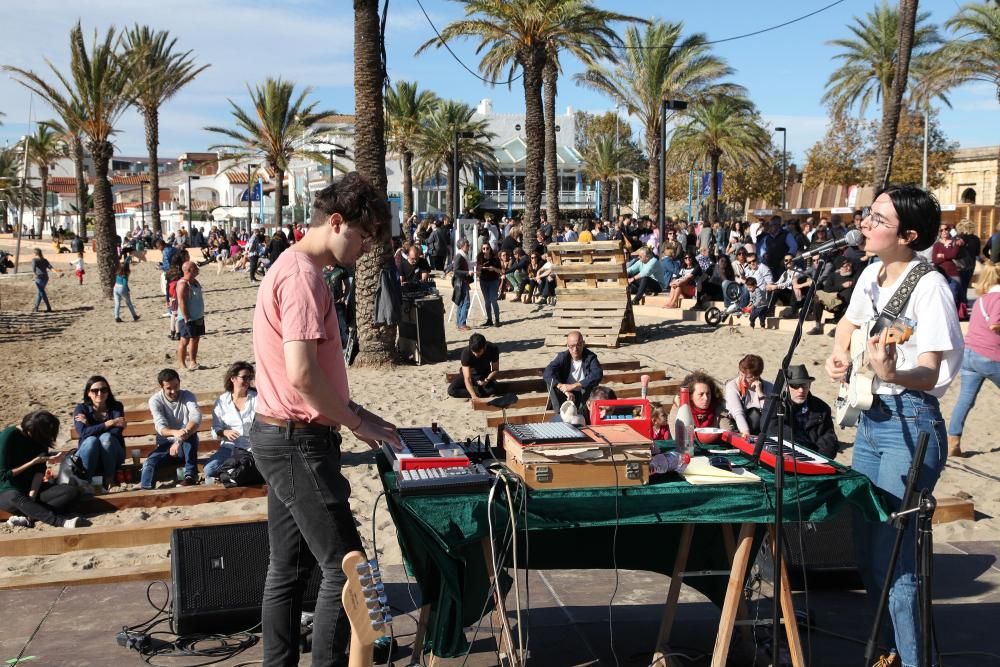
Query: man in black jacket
x=573, y=373
x=811, y=418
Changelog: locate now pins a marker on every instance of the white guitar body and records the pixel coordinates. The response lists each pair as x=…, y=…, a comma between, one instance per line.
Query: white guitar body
x=857, y=391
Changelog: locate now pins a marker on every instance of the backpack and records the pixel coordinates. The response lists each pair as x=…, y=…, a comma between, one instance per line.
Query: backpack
x=73, y=472
x=240, y=469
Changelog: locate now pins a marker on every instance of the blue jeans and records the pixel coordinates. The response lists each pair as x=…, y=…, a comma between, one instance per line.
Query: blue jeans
x=188, y=456
x=976, y=369
x=884, y=448
x=40, y=283
x=462, y=312
x=121, y=292
x=490, y=290
x=309, y=521
x=224, y=452
x=101, y=455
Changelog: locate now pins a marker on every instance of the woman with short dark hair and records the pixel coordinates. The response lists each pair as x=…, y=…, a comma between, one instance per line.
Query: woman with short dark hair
x=24, y=456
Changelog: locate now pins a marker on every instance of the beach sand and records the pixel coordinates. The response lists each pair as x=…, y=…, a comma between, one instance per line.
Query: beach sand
x=47, y=358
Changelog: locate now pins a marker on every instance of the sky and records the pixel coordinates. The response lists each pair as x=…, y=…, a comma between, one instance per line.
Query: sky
x=311, y=43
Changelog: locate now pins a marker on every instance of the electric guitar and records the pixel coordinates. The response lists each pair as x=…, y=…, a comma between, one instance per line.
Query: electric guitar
x=856, y=392
x=365, y=605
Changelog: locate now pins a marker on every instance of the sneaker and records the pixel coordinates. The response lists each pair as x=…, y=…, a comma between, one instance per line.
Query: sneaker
x=135, y=318
x=832, y=333
x=118, y=319
x=815, y=331
x=76, y=522
x=890, y=659
x=189, y=480
x=20, y=522
x=488, y=323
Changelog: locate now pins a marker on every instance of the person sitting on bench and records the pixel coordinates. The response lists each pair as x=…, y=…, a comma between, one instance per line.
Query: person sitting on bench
x=480, y=366
x=176, y=418
x=573, y=373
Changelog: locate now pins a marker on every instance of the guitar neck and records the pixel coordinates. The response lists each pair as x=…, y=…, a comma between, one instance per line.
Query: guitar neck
x=362, y=655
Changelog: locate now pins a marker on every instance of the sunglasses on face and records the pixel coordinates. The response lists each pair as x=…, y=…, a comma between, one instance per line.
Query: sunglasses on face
x=99, y=390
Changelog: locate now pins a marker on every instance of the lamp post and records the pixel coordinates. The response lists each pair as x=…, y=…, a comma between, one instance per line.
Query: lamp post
x=250, y=168
x=190, y=212
x=20, y=204
x=661, y=205
x=784, y=168
x=456, y=207
x=339, y=151
x=142, y=199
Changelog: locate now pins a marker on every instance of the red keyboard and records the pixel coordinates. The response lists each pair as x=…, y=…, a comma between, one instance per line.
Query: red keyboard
x=798, y=460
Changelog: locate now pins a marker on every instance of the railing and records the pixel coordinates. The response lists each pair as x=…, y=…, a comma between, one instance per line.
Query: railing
x=568, y=197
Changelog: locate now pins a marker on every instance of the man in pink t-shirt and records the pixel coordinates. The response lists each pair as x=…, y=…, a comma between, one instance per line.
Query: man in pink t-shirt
x=303, y=399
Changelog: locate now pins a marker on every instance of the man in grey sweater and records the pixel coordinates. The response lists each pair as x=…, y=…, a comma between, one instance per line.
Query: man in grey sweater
x=176, y=418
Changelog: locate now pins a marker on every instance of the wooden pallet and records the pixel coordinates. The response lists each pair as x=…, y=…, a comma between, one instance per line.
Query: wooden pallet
x=102, y=537
x=592, y=293
x=526, y=399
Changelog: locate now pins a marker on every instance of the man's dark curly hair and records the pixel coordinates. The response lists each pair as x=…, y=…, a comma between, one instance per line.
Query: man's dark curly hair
x=358, y=203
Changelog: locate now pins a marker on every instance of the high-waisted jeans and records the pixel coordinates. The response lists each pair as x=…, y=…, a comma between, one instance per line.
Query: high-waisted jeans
x=976, y=369
x=309, y=521
x=885, y=446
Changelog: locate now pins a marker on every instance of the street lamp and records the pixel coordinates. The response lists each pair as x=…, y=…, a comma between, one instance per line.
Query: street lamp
x=20, y=205
x=190, y=212
x=142, y=199
x=339, y=151
x=661, y=204
x=250, y=168
x=784, y=168
x=456, y=208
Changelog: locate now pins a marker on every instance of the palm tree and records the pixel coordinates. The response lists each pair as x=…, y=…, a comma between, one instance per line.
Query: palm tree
x=163, y=72
x=721, y=130
x=658, y=64
x=435, y=147
x=278, y=129
x=975, y=56
x=376, y=341
x=97, y=90
x=11, y=167
x=405, y=109
x=73, y=139
x=584, y=31
x=44, y=148
x=602, y=162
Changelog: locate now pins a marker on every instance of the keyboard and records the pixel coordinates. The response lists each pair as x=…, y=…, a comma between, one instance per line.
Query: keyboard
x=425, y=447
x=469, y=479
x=546, y=433
x=798, y=460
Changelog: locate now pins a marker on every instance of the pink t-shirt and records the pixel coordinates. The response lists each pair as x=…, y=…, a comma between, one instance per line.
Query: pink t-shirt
x=294, y=303
x=984, y=313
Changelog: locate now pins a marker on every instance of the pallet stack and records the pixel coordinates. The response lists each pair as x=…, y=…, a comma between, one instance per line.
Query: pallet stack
x=592, y=293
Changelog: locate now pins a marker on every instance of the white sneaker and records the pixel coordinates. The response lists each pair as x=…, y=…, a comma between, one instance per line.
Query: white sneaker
x=20, y=521
x=76, y=522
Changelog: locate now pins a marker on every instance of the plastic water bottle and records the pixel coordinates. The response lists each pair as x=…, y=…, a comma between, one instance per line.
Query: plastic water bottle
x=684, y=423
x=434, y=394
x=669, y=461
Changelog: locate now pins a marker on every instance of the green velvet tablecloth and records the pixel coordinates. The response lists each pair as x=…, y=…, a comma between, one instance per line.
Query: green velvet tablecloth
x=440, y=535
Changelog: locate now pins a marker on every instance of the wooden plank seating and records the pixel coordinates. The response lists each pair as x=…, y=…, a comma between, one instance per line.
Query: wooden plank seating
x=148, y=572
x=592, y=293
x=535, y=393
x=536, y=372
x=104, y=537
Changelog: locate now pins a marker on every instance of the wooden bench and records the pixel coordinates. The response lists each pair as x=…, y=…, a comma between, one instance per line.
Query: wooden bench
x=140, y=433
x=534, y=393
x=511, y=373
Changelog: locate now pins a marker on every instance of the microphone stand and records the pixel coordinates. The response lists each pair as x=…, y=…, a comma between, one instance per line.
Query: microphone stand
x=776, y=406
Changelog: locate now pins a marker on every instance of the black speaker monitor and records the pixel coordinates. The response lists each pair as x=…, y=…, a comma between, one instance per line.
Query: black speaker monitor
x=217, y=578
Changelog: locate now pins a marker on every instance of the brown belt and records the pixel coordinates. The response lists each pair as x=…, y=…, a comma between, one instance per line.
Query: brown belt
x=292, y=424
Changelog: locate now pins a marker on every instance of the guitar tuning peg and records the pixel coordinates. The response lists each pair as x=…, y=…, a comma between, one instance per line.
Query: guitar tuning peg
x=373, y=564
x=387, y=618
x=383, y=600
x=363, y=568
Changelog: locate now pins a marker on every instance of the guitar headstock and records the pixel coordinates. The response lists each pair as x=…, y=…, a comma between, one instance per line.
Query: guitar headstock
x=364, y=599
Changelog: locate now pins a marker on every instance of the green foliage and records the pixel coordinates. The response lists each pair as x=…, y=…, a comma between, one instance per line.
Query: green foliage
x=844, y=155
x=471, y=197
x=405, y=109
x=591, y=127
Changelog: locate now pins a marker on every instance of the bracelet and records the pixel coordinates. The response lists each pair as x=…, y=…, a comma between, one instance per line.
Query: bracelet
x=361, y=421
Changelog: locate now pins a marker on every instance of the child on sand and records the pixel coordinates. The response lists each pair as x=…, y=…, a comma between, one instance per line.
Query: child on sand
x=78, y=267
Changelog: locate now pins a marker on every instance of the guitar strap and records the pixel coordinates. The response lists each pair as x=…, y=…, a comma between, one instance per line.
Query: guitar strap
x=897, y=302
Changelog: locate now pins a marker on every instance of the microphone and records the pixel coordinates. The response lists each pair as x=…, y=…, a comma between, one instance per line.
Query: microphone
x=852, y=238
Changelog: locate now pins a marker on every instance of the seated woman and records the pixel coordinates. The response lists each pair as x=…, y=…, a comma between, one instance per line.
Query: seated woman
x=707, y=406
x=24, y=454
x=99, y=421
x=685, y=285
x=746, y=395
x=232, y=415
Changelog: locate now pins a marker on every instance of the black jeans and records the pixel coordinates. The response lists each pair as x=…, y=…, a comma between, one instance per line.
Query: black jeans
x=643, y=286
x=309, y=521
x=52, y=500
x=456, y=389
x=254, y=260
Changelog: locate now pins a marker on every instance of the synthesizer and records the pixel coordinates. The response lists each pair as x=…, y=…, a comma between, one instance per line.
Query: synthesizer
x=425, y=447
x=798, y=460
x=546, y=433
x=472, y=478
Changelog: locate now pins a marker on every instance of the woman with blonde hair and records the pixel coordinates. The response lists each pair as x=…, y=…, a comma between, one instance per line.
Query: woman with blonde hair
x=981, y=360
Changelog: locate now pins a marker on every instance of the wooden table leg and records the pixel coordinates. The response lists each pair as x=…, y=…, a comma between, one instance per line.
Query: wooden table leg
x=729, y=543
x=788, y=613
x=673, y=594
x=734, y=594
x=500, y=608
x=423, y=618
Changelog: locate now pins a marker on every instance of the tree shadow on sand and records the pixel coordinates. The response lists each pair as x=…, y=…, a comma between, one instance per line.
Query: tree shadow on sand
x=17, y=326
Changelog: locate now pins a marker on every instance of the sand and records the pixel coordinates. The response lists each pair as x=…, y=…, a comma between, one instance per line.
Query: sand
x=49, y=356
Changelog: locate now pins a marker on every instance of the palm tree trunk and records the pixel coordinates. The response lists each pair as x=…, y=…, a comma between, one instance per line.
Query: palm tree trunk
x=653, y=144
x=152, y=121
x=550, y=79
x=606, y=200
x=376, y=342
x=713, y=198
x=279, y=203
x=449, y=204
x=892, y=106
x=104, y=216
x=996, y=197
x=43, y=173
x=532, y=60
x=407, y=185
x=81, y=187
